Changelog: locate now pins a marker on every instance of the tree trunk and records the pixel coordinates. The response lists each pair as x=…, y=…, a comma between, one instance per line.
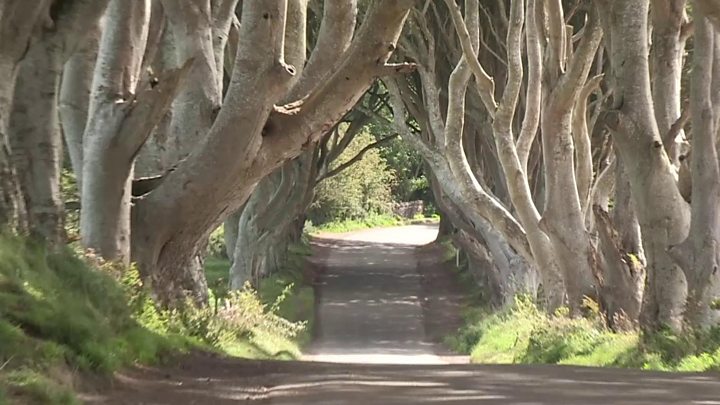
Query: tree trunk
x=662, y=212
x=36, y=141
x=17, y=21
x=266, y=219
x=74, y=100
x=231, y=230
x=121, y=117
x=35, y=132
x=667, y=53
x=699, y=254
x=12, y=204
x=248, y=140
x=195, y=107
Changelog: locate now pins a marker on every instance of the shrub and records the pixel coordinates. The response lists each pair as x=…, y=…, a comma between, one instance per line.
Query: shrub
x=216, y=244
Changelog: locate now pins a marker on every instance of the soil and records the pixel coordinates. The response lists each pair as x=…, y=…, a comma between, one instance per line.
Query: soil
x=381, y=299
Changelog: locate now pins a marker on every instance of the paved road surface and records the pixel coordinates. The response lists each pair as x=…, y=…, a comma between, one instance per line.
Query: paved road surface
x=370, y=312
x=370, y=308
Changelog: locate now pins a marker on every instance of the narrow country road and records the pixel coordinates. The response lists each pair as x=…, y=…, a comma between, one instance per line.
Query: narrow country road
x=373, y=346
x=370, y=299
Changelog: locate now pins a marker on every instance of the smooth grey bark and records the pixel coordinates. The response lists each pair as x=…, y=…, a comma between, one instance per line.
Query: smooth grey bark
x=74, y=99
x=223, y=14
x=711, y=10
x=502, y=273
x=249, y=255
x=624, y=215
x=563, y=219
x=222, y=171
x=699, y=254
x=667, y=54
x=663, y=214
x=274, y=195
x=194, y=109
x=36, y=141
x=231, y=229
x=122, y=114
x=265, y=226
x=34, y=126
x=152, y=158
x=17, y=20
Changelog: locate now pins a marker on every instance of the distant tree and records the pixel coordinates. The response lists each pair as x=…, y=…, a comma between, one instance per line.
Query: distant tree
x=358, y=191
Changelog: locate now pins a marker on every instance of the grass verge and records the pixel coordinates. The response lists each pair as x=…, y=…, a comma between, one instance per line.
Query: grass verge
x=63, y=315
x=58, y=317
x=524, y=334
x=369, y=222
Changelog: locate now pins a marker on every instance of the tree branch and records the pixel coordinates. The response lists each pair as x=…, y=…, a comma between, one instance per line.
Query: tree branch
x=356, y=158
x=364, y=61
x=149, y=107
x=483, y=82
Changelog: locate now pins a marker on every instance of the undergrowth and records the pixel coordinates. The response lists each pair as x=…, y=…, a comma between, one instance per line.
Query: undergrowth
x=288, y=293
x=63, y=314
x=524, y=334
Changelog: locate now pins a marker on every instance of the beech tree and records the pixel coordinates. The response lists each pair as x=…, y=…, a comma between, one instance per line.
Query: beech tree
x=556, y=242
x=17, y=21
x=571, y=145
x=271, y=111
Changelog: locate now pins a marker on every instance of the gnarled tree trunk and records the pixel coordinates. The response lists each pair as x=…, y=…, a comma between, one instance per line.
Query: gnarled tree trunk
x=663, y=214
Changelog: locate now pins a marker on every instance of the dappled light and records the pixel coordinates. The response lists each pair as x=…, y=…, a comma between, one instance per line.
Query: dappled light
x=370, y=308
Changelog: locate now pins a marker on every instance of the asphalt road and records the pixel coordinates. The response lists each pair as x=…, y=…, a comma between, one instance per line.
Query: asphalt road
x=370, y=309
x=370, y=314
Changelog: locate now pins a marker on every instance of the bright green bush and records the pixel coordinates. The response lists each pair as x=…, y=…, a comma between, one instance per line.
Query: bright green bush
x=285, y=294
x=216, y=244
x=359, y=191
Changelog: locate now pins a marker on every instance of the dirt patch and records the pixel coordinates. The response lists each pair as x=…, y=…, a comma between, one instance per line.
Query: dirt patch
x=443, y=295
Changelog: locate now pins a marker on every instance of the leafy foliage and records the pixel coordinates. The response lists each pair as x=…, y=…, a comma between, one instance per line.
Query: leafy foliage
x=361, y=190
x=285, y=294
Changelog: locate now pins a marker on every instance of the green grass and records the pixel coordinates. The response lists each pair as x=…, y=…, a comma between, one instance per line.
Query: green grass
x=59, y=316
x=526, y=335
x=369, y=222
x=349, y=225
x=287, y=291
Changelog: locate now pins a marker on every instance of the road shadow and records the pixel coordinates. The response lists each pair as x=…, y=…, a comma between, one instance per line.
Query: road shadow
x=201, y=379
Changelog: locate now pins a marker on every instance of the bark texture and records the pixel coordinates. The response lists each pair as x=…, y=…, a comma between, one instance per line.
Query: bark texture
x=17, y=21
x=222, y=171
x=663, y=214
x=34, y=126
x=122, y=115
